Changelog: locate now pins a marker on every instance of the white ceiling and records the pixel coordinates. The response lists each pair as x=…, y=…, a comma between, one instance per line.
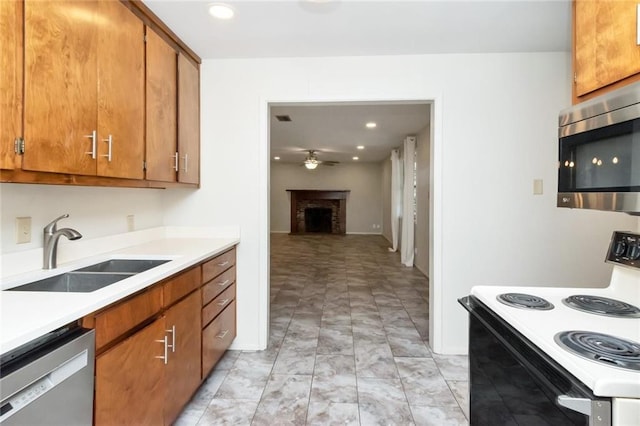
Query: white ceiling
x=335, y=130
x=354, y=28
x=303, y=28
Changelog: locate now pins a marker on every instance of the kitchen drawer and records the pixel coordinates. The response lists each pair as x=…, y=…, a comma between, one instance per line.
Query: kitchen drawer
x=181, y=285
x=216, y=306
x=122, y=317
x=211, y=289
x=217, y=337
x=215, y=266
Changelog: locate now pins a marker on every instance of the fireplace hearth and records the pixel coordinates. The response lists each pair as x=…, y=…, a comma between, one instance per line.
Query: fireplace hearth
x=318, y=211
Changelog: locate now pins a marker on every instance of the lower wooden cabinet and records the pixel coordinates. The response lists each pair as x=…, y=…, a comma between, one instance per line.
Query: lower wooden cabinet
x=156, y=347
x=216, y=338
x=130, y=380
x=182, y=372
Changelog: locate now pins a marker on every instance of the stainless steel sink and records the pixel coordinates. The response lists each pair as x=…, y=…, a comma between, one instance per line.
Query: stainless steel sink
x=93, y=277
x=73, y=282
x=131, y=266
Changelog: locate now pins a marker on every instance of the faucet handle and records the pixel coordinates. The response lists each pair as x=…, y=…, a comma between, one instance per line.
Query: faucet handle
x=51, y=227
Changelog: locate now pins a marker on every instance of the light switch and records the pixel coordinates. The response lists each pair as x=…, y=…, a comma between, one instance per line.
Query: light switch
x=23, y=230
x=537, y=187
x=131, y=223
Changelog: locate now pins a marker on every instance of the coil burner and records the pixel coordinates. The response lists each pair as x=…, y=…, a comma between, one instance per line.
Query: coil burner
x=601, y=348
x=524, y=301
x=602, y=306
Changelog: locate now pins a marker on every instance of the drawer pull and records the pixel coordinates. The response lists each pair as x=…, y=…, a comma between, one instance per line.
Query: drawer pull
x=221, y=335
x=166, y=350
x=223, y=302
x=225, y=263
x=172, y=330
x=222, y=284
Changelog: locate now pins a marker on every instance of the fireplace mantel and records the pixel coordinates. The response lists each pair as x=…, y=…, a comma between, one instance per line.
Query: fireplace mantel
x=336, y=196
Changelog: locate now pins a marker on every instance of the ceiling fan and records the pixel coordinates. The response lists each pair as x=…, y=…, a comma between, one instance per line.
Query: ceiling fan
x=311, y=161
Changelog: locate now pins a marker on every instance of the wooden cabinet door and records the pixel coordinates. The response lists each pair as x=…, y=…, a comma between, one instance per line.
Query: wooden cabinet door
x=120, y=92
x=188, y=121
x=161, y=86
x=130, y=380
x=11, y=63
x=183, y=370
x=60, y=93
x=606, y=49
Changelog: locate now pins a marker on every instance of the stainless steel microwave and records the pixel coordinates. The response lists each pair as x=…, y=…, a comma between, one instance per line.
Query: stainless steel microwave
x=599, y=153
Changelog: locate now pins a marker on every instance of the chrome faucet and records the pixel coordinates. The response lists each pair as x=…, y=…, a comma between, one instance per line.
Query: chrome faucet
x=51, y=236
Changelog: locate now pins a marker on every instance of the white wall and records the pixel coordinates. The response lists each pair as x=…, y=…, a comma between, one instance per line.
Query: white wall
x=423, y=151
x=494, y=132
x=94, y=212
x=364, y=202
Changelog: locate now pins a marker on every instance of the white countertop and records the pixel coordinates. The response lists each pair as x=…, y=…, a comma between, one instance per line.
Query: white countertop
x=26, y=315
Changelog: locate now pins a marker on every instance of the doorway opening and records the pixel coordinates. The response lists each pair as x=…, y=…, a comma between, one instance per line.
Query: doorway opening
x=366, y=179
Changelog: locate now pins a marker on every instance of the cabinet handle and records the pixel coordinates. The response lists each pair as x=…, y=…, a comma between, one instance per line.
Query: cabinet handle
x=92, y=136
x=166, y=350
x=109, y=140
x=222, y=284
x=225, y=263
x=186, y=163
x=223, y=302
x=221, y=335
x=175, y=161
x=172, y=330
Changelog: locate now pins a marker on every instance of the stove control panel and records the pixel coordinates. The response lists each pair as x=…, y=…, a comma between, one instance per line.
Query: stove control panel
x=624, y=249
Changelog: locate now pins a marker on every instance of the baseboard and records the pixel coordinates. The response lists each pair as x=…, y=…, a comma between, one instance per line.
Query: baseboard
x=364, y=233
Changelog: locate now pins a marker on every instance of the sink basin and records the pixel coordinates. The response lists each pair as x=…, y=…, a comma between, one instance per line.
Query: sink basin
x=73, y=282
x=93, y=277
x=130, y=266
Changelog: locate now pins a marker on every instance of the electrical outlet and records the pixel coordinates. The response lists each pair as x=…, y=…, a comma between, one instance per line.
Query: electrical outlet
x=23, y=230
x=131, y=223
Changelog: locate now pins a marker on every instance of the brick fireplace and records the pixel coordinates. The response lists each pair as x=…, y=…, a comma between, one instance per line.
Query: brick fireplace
x=318, y=211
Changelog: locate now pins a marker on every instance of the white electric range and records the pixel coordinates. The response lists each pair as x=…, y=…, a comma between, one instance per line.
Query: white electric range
x=519, y=338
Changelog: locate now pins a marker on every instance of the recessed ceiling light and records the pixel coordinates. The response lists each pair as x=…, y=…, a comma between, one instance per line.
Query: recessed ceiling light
x=371, y=125
x=276, y=158
x=360, y=147
x=356, y=158
x=221, y=11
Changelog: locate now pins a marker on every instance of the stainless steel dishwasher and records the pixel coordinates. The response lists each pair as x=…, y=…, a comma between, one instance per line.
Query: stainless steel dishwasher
x=49, y=381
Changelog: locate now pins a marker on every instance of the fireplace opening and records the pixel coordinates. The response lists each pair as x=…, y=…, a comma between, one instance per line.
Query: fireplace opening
x=317, y=219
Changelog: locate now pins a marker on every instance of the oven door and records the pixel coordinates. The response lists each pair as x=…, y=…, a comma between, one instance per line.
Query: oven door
x=512, y=382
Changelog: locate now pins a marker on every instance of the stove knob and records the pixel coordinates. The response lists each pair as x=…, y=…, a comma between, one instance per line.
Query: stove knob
x=633, y=252
x=619, y=248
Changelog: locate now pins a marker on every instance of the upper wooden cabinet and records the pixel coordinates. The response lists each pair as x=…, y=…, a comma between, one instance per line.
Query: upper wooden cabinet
x=61, y=90
x=120, y=92
x=161, y=151
x=188, y=120
x=11, y=66
x=607, y=54
x=84, y=104
x=92, y=101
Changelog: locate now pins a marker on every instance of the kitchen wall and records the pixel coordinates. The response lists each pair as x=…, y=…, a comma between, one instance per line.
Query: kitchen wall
x=94, y=212
x=364, y=202
x=423, y=148
x=494, y=132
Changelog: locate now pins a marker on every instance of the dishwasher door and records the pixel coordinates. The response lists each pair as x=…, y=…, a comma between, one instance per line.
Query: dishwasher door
x=51, y=384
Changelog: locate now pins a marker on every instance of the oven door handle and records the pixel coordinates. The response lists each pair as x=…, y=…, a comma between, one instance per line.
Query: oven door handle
x=599, y=412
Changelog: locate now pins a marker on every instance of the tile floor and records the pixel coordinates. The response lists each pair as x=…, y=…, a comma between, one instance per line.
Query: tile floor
x=349, y=326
